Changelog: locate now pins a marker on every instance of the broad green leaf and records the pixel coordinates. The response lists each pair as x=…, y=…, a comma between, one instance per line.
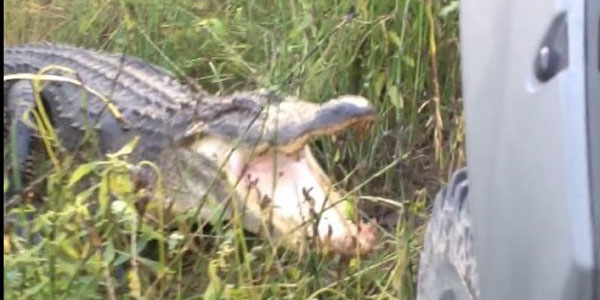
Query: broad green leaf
x=395, y=98
x=150, y=232
x=395, y=39
x=354, y=263
x=295, y=273
x=103, y=195
x=67, y=248
x=120, y=183
x=81, y=172
x=123, y=257
x=109, y=253
x=127, y=149
x=409, y=61
x=349, y=209
x=337, y=156
x=379, y=82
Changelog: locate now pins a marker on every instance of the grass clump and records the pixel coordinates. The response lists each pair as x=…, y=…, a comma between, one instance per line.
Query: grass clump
x=400, y=54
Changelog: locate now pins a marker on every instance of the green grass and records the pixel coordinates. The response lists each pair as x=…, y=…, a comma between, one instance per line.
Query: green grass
x=402, y=55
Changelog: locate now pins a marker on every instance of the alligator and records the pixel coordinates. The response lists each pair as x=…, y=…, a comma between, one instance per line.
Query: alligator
x=248, y=148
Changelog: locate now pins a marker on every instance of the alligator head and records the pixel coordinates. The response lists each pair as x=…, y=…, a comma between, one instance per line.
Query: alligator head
x=255, y=143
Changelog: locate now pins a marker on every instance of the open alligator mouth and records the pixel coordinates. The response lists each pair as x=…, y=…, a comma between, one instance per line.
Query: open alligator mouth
x=276, y=177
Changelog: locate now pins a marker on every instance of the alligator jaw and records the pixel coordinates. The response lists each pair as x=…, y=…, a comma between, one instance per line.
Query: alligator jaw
x=263, y=121
x=300, y=200
x=285, y=191
x=347, y=111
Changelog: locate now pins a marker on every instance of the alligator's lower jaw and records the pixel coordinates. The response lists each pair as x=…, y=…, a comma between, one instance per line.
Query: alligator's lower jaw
x=290, y=197
x=293, y=192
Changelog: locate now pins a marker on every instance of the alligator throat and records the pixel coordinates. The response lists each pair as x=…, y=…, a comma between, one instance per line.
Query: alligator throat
x=294, y=185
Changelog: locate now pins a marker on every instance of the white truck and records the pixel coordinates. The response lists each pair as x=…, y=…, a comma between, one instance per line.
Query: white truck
x=524, y=223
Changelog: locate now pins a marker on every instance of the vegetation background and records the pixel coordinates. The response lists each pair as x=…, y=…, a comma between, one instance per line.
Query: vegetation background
x=403, y=55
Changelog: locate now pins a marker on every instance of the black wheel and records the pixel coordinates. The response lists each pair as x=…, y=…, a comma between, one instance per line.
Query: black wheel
x=447, y=267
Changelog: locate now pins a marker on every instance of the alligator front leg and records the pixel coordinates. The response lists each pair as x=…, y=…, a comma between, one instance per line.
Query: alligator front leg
x=19, y=101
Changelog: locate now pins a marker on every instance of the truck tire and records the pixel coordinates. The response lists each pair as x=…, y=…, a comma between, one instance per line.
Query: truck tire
x=447, y=266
